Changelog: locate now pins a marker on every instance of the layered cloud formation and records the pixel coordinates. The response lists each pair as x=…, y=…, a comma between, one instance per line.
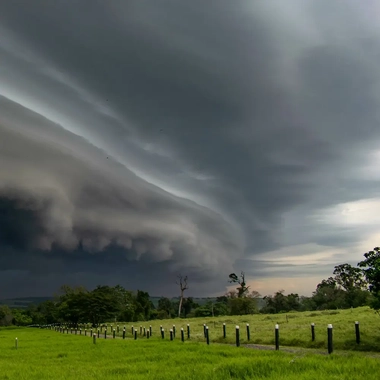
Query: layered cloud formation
x=143, y=139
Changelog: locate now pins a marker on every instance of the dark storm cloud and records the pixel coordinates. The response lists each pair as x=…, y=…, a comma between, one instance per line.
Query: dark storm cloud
x=261, y=112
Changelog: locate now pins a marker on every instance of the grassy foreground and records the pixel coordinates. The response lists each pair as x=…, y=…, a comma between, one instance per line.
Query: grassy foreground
x=45, y=354
x=294, y=328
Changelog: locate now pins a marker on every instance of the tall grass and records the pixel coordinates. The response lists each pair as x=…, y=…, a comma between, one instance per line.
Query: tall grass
x=45, y=354
x=294, y=328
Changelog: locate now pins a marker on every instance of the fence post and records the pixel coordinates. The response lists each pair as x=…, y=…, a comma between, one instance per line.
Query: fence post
x=162, y=333
x=135, y=334
x=204, y=330
x=98, y=333
x=277, y=336
x=124, y=333
x=312, y=332
x=248, y=333
x=16, y=343
x=171, y=334
x=188, y=331
x=144, y=331
x=182, y=335
x=237, y=336
x=173, y=331
x=150, y=330
x=147, y=334
x=224, y=330
x=329, y=338
x=207, y=336
x=114, y=333
x=105, y=333
x=94, y=338
x=357, y=332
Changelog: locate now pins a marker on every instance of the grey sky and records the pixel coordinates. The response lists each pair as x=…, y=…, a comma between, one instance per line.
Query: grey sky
x=142, y=139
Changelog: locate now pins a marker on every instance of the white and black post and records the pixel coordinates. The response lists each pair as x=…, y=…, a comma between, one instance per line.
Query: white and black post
x=330, y=338
x=277, y=336
x=357, y=332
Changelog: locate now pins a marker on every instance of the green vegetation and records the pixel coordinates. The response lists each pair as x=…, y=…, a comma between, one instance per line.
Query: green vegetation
x=44, y=354
x=295, y=328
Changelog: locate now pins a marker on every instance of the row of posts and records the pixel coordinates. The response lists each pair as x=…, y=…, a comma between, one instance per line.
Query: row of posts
x=172, y=333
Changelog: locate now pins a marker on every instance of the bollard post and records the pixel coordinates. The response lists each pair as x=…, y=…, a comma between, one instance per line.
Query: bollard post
x=114, y=333
x=144, y=331
x=188, y=331
x=135, y=334
x=162, y=333
x=147, y=334
x=171, y=334
x=357, y=332
x=248, y=333
x=312, y=332
x=237, y=336
x=330, y=338
x=182, y=335
x=98, y=333
x=124, y=333
x=105, y=333
x=91, y=332
x=204, y=330
x=224, y=330
x=207, y=336
x=16, y=343
x=140, y=330
x=94, y=338
x=132, y=330
x=277, y=336
x=150, y=330
x=173, y=331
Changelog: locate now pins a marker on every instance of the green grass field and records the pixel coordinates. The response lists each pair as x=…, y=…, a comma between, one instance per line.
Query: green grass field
x=294, y=329
x=46, y=354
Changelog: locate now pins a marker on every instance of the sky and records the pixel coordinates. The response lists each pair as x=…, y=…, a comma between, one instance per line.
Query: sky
x=144, y=139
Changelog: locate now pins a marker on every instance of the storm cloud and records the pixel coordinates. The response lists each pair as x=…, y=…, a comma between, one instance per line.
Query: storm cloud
x=143, y=139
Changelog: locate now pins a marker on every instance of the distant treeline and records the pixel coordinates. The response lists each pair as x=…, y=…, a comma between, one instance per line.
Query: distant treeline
x=349, y=287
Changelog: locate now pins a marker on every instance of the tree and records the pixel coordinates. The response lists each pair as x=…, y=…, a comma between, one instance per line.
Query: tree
x=371, y=265
x=182, y=282
x=328, y=295
x=349, y=277
x=352, y=280
x=144, y=306
x=242, y=289
x=164, y=307
x=188, y=305
x=5, y=315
